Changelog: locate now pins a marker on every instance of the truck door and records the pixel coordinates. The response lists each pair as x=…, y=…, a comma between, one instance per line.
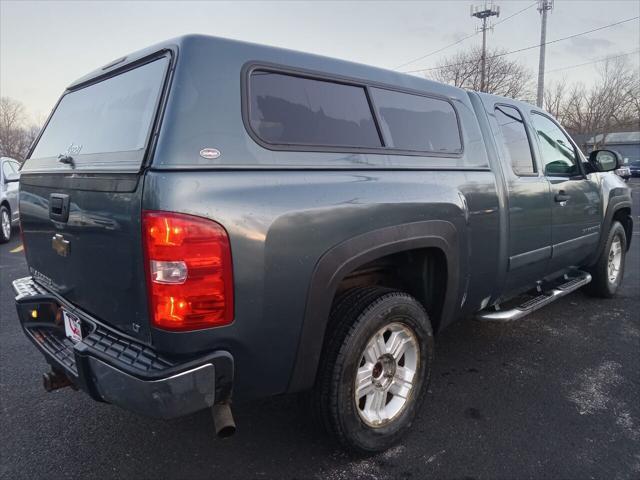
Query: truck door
x=575, y=197
x=528, y=200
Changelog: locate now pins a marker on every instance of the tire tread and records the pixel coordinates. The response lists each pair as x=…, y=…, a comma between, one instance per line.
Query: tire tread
x=348, y=311
x=599, y=285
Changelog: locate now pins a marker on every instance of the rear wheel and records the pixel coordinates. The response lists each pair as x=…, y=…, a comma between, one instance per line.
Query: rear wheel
x=5, y=224
x=375, y=368
x=608, y=271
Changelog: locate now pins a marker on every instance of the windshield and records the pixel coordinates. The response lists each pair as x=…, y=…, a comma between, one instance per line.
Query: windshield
x=114, y=115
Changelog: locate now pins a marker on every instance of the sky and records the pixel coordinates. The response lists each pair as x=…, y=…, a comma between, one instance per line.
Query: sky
x=46, y=45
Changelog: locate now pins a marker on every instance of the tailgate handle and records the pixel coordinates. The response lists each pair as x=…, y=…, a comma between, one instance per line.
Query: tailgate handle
x=59, y=207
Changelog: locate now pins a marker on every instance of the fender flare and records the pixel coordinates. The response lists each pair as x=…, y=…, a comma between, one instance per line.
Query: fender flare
x=337, y=262
x=615, y=204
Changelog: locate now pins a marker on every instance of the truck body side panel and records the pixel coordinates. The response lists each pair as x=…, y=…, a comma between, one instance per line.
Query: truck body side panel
x=280, y=225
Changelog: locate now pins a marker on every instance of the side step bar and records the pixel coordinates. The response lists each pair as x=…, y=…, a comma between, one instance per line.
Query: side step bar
x=516, y=313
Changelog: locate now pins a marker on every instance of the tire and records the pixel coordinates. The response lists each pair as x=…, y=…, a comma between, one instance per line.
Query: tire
x=357, y=317
x=603, y=284
x=5, y=216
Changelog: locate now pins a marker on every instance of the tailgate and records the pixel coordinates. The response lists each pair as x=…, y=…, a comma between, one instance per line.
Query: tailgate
x=80, y=195
x=93, y=258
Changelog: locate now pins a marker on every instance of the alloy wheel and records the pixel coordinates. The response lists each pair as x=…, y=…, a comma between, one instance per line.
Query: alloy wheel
x=6, y=224
x=386, y=374
x=615, y=260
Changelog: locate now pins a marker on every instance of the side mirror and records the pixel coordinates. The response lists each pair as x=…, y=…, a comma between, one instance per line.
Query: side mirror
x=604, y=160
x=11, y=177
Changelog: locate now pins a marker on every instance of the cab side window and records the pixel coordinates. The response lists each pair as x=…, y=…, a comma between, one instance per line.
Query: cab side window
x=515, y=140
x=558, y=155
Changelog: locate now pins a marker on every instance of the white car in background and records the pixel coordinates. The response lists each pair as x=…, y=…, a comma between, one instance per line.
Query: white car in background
x=624, y=172
x=9, y=176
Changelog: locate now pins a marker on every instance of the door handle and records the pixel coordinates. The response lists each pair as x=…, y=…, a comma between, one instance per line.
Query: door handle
x=561, y=197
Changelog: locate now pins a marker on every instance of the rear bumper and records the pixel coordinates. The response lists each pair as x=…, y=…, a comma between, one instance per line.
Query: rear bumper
x=115, y=368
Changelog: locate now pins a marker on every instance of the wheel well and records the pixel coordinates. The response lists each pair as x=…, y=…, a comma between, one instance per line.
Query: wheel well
x=421, y=272
x=4, y=203
x=623, y=216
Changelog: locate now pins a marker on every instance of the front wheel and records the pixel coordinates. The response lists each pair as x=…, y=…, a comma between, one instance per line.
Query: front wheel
x=375, y=368
x=608, y=271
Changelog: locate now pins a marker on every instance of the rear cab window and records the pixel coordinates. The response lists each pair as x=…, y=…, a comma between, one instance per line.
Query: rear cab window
x=105, y=125
x=515, y=140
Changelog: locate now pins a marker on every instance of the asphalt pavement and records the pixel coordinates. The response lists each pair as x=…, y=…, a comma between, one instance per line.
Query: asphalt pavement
x=555, y=395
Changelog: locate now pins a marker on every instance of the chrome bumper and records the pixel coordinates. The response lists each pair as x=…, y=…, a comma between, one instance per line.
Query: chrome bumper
x=115, y=368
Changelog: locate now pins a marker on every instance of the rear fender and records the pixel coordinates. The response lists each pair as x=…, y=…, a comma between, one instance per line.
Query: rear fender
x=347, y=256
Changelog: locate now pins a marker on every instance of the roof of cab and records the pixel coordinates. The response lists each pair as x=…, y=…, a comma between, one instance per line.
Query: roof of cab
x=292, y=58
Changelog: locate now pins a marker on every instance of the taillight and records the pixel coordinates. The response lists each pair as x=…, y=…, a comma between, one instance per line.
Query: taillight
x=189, y=271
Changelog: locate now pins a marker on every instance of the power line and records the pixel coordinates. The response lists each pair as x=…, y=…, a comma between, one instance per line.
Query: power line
x=593, y=61
x=526, y=48
x=517, y=13
x=436, y=51
x=569, y=37
x=461, y=40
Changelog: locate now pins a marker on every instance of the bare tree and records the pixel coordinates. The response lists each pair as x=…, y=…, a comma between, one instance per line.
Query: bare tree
x=503, y=76
x=554, y=98
x=610, y=104
x=16, y=134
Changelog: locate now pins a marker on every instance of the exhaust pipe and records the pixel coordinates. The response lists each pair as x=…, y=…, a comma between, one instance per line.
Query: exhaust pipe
x=223, y=420
x=54, y=380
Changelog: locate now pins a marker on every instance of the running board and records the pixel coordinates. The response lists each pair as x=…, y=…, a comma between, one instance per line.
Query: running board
x=524, y=309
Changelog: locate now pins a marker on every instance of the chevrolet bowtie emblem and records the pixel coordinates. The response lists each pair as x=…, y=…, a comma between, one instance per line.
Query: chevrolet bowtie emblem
x=60, y=245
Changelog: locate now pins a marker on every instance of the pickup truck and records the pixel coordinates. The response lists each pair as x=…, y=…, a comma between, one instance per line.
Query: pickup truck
x=208, y=220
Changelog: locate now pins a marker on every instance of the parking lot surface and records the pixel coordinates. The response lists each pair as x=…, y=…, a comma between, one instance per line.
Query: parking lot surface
x=555, y=395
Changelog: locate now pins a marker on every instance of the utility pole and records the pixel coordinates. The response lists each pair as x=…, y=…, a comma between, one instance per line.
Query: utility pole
x=544, y=6
x=483, y=12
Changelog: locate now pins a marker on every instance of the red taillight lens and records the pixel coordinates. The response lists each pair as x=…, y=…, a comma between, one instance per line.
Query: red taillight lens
x=189, y=271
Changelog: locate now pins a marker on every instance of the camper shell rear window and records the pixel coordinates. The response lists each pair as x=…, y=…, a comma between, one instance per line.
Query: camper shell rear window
x=104, y=125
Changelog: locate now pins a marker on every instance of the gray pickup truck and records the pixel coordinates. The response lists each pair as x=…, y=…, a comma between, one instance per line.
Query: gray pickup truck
x=207, y=220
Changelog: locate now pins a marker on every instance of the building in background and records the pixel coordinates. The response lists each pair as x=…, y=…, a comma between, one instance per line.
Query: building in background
x=627, y=144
